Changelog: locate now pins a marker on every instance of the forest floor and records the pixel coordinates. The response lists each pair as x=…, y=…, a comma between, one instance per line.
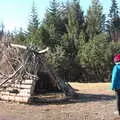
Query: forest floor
x=95, y=102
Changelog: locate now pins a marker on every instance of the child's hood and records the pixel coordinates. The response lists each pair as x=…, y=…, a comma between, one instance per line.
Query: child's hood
x=118, y=66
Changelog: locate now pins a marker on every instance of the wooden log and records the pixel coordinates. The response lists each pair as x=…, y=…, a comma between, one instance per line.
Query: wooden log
x=27, y=82
x=15, y=86
x=26, y=86
x=18, y=85
x=19, y=92
x=25, y=90
x=21, y=86
x=25, y=99
x=14, y=95
x=11, y=98
x=33, y=87
x=4, y=93
x=11, y=89
x=8, y=94
x=22, y=99
x=4, y=97
x=24, y=94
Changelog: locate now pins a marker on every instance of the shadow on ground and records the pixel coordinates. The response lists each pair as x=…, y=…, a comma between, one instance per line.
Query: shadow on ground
x=80, y=98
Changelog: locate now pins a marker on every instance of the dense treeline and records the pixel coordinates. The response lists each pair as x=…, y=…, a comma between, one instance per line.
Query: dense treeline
x=81, y=47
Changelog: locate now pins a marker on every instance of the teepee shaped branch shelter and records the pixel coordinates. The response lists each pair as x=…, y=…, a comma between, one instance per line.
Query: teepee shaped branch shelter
x=20, y=85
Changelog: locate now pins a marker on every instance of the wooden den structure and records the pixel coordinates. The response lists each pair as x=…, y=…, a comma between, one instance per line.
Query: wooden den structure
x=26, y=73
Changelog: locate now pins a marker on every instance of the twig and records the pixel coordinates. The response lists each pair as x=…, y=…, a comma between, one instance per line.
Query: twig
x=9, y=63
x=11, y=75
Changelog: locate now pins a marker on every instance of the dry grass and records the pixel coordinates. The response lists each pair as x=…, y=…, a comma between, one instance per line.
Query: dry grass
x=93, y=88
x=85, y=86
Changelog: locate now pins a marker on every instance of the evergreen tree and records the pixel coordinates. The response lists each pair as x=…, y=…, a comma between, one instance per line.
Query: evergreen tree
x=44, y=36
x=113, y=24
x=33, y=36
x=20, y=37
x=114, y=11
x=2, y=26
x=74, y=27
x=53, y=24
x=95, y=19
x=33, y=21
x=93, y=58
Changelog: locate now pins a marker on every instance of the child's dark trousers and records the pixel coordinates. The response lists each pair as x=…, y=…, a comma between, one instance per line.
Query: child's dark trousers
x=118, y=100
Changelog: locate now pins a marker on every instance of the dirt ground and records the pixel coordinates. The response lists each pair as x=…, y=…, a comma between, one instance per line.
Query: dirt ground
x=95, y=102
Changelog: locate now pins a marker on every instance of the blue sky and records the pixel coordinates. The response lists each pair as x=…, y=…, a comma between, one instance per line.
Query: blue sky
x=15, y=13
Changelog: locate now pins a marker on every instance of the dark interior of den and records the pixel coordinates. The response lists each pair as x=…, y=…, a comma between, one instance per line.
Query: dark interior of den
x=45, y=84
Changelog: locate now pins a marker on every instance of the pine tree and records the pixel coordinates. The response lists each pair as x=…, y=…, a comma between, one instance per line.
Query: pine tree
x=33, y=21
x=95, y=19
x=20, y=37
x=33, y=36
x=114, y=11
x=2, y=26
x=52, y=15
x=75, y=23
x=44, y=35
x=113, y=23
x=53, y=24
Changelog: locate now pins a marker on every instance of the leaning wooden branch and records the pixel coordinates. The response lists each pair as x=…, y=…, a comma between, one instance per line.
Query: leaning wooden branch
x=24, y=47
x=11, y=76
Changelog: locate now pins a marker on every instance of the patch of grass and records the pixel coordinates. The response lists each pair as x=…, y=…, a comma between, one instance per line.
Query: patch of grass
x=90, y=85
x=94, y=88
